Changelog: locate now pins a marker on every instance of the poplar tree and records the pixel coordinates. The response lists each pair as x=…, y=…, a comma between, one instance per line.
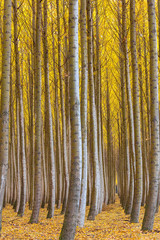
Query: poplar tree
x=93, y=120
x=5, y=87
x=64, y=142
x=84, y=84
x=71, y=215
x=154, y=107
x=38, y=119
x=124, y=76
x=48, y=121
x=138, y=151
x=21, y=150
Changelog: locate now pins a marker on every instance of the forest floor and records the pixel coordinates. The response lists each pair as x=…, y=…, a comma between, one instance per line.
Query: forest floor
x=110, y=224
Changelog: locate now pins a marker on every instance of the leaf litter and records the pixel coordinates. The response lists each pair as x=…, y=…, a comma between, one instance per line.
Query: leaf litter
x=109, y=224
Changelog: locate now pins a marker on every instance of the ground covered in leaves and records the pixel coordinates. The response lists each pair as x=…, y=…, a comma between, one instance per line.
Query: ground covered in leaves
x=110, y=224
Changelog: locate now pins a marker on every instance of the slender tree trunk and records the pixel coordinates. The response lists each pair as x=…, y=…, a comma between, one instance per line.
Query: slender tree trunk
x=154, y=158
x=71, y=215
x=5, y=87
x=64, y=143
x=48, y=120
x=32, y=111
x=21, y=116
x=66, y=80
x=144, y=150
x=109, y=147
x=84, y=84
x=18, y=158
x=11, y=157
x=58, y=135
x=45, y=163
x=12, y=137
x=129, y=203
x=93, y=118
x=98, y=86
x=125, y=75
x=38, y=125
x=122, y=69
x=138, y=151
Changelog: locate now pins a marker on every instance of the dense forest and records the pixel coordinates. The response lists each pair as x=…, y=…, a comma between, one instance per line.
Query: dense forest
x=79, y=111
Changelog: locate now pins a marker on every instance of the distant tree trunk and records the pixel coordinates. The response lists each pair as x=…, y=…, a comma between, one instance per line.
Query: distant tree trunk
x=45, y=161
x=154, y=157
x=89, y=135
x=148, y=122
x=38, y=125
x=129, y=200
x=18, y=157
x=71, y=215
x=32, y=111
x=64, y=143
x=84, y=84
x=144, y=150
x=98, y=87
x=5, y=87
x=12, y=143
x=10, y=163
x=93, y=121
x=138, y=151
x=66, y=81
x=57, y=128
x=147, y=94
x=119, y=157
x=121, y=66
x=109, y=147
x=48, y=120
x=124, y=75
x=21, y=117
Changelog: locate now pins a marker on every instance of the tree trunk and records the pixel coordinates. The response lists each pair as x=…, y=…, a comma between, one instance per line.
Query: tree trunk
x=98, y=87
x=38, y=125
x=5, y=87
x=71, y=215
x=64, y=143
x=93, y=124
x=57, y=129
x=48, y=119
x=124, y=76
x=129, y=200
x=21, y=116
x=154, y=157
x=84, y=84
x=138, y=151
x=32, y=111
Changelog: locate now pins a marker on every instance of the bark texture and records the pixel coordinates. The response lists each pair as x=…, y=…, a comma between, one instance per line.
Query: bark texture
x=5, y=87
x=71, y=215
x=154, y=107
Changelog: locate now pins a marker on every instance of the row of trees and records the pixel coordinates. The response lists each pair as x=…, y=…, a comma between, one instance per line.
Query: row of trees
x=140, y=157
x=62, y=140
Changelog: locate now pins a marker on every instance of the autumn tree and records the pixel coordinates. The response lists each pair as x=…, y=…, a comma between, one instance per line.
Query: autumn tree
x=154, y=158
x=49, y=151
x=84, y=83
x=138, y=151
x=5, y=87
x=38, y=125
x=71, y=215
